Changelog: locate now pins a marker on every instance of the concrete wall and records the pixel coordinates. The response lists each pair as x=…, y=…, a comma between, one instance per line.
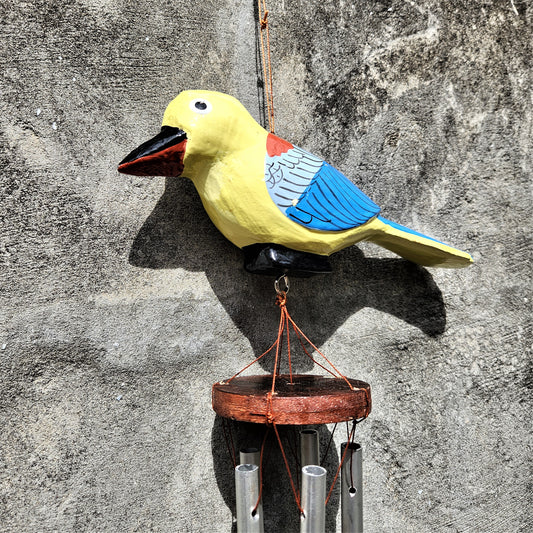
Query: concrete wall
x=121, y=303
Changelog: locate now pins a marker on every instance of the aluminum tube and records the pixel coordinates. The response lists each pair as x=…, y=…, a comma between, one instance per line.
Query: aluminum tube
x=247, y=492
x=352, y=488
x=249, y=456
x=313, y=500
x=309, y=447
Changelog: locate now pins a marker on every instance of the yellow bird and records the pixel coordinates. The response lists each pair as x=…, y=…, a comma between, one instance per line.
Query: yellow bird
x=286, y=208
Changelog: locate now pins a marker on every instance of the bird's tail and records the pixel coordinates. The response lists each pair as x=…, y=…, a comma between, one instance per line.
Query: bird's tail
x=415, y=246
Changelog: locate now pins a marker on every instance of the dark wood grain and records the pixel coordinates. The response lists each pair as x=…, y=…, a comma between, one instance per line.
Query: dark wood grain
x=309, y=399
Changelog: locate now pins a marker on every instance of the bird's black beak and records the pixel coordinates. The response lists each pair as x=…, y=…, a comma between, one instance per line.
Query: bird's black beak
x=161, y=156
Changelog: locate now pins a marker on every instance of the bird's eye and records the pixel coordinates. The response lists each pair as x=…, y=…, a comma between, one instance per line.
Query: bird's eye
x=200, y=105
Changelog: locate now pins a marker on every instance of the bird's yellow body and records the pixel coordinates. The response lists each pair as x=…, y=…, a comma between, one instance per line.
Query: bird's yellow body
x=224, y=156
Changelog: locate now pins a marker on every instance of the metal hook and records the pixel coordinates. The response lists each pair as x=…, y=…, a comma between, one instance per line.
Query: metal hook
x=285, y=280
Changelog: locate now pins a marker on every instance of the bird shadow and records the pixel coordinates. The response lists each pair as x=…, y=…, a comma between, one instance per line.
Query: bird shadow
x=179, y=234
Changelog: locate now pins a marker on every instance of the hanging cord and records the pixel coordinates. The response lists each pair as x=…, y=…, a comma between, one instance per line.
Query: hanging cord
x=351, y=437
x=264, y=33
x=352, y=434
x=286, y=322
x=300, y=334
x=254, y=510
x=295, y=456
x=281, y=299
x=229, y=441
x=293, y=487
x=324, y=457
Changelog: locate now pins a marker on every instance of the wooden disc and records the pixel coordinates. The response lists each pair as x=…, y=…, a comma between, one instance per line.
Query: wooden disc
x=308, y=399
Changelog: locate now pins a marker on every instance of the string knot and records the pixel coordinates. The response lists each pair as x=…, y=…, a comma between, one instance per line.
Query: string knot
x=281, y=299
x=264, y=21
x=269, y=414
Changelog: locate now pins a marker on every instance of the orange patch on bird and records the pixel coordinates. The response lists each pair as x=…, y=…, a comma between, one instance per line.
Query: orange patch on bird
x=276, y=146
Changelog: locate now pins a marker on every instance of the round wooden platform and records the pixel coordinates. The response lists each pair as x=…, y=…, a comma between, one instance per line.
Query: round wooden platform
x=308, y=400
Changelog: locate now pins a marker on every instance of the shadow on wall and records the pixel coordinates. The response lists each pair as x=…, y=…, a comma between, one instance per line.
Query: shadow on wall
x=179, y=234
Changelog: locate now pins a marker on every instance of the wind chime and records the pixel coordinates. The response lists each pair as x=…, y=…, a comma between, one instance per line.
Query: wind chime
x=288, y=210
x=296, y=400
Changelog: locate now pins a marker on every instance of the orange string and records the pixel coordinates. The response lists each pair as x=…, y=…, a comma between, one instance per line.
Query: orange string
x=310, y=356
x=264, y=32
x=319, y=352
x=289, y=348
x=285, y=322
x=294, y=491
x=292, y=443
x=261, y=472
x=253, y=362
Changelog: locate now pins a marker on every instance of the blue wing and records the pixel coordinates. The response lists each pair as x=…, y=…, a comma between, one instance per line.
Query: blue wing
x=314, y=194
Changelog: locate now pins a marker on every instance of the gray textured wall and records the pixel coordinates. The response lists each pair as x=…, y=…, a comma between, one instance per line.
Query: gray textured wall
x=121, y=304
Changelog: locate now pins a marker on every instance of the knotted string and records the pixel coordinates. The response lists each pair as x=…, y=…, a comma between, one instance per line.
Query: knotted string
x=264, y=33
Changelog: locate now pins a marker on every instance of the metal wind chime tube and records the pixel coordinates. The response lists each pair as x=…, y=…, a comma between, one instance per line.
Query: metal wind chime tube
x=309, y=447
x=352, y=488
x=313, y=500
x=249, y=456
x=252, y=456
x=247, y=493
